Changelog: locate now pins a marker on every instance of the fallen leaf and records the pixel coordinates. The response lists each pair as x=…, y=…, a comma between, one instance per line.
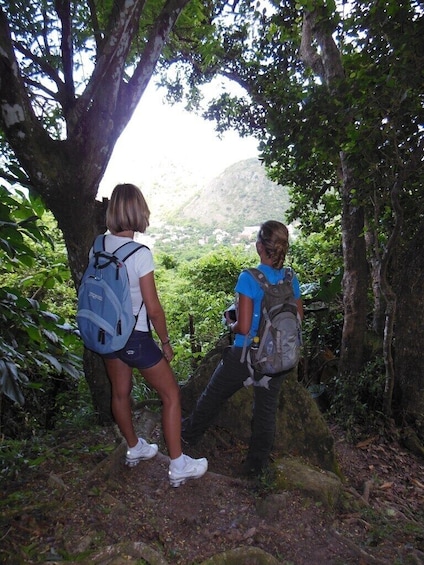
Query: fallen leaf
x=385, y=486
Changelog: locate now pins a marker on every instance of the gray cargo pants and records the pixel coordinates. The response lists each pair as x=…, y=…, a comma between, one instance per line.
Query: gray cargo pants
x=227, y=379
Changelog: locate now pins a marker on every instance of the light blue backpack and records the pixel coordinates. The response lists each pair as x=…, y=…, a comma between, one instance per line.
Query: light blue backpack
x=104, y=315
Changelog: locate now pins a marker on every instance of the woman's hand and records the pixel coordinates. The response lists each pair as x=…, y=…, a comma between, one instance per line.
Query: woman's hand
x=168, y=352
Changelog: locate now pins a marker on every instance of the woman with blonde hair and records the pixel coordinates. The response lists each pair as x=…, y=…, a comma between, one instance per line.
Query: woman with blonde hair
x=231, y=373
x=127, y=214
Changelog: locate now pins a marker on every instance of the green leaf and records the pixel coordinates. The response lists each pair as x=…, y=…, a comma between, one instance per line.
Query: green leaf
x=54, y=362
x=9, y=382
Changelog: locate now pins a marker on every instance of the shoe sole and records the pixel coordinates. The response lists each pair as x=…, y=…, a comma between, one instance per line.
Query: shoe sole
x=133, y=462
x=179, y=482
x=136, y=461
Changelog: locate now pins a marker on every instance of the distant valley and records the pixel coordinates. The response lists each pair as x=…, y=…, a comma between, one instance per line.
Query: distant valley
x=188, y=219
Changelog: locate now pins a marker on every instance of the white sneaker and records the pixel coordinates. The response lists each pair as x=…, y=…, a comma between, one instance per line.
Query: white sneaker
x=192, y=469
x=140, y=452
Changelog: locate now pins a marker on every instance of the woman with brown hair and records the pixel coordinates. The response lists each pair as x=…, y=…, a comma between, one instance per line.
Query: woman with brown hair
x=231, y=373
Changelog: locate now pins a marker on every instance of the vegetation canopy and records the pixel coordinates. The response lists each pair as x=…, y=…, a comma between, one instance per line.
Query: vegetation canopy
x=333, y=93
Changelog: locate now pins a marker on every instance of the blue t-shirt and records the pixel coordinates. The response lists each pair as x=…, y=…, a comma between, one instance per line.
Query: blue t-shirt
x=248, y=286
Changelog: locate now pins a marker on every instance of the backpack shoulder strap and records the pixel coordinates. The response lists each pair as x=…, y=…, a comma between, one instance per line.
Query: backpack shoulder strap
x=289, y=274
x=99, y=243
x=128, y=249
x=123, y=252
x=259, y=277
x=263, y=281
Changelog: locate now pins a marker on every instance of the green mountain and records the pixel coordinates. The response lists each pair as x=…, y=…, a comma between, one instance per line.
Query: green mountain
x=240, y=196
x=190, y=217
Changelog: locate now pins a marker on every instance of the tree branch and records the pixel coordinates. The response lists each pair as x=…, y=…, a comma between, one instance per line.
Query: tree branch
x=391, y=301
x=327, y=65
x=50, y=71
x=63, y=9
x=307, y=53
x=98, y=36
x=130, y=94
x=110, y=65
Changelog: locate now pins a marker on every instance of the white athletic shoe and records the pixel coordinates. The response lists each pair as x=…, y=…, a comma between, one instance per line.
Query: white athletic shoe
x=192, y=469
x=140, y=452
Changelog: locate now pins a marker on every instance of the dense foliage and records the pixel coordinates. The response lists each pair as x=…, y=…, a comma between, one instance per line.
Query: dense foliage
x=41, y=365
x=38, y=345
x=332, y=93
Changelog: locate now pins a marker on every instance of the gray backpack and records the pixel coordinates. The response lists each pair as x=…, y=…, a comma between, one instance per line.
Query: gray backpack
x=279, y=332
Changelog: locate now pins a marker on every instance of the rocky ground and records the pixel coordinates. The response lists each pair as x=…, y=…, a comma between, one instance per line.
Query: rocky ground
x=78, y=503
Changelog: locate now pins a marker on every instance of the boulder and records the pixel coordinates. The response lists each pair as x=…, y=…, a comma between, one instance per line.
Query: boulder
x=301, y=428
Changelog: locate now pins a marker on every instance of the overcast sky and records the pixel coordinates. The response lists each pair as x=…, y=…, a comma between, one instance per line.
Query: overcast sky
x=159, y=134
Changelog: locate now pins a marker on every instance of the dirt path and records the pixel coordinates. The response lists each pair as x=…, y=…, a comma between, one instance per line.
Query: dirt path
x=65, y=505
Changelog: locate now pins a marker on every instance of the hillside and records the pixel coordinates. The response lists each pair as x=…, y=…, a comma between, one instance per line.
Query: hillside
x=167, y=188
x=241, y=195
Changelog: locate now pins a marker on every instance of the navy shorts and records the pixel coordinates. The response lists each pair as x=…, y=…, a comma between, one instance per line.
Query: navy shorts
x=141, y=351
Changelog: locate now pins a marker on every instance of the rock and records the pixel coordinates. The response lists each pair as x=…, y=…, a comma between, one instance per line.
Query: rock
x=321, y=486
x=301, y=428
x=271, y=505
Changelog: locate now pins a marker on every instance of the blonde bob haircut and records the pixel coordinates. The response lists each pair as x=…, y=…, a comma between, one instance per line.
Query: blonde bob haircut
x=274, y=236
x=127, y=210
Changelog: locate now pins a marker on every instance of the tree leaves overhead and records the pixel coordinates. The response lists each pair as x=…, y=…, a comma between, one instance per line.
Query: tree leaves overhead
x=374, y=113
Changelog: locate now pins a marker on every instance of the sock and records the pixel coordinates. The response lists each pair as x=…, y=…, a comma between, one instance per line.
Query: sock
x=178, y=463
x=133, y=446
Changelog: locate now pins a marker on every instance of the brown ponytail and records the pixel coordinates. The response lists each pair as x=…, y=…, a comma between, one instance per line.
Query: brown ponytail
x=274, y=237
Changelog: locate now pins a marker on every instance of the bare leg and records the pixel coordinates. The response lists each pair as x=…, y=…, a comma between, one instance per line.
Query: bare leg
x=162, y=379
x=120, y=376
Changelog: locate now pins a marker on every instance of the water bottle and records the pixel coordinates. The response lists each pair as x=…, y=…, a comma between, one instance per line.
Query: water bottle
x=255, y=343
x=254, y=346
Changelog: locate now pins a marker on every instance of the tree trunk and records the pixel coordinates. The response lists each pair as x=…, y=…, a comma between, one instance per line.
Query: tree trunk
x=328, y=65
x=355, y=278
x=80, y=221
x=410, y=334
x=99, y=385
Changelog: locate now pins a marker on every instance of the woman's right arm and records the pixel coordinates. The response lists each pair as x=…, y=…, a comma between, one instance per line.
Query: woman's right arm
x=154, y=308
x=244, y=315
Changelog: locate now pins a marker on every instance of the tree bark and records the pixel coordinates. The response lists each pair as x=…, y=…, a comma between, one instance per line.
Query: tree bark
x=355, y=277
x=374, y=255
x=99, y=386
x=67, y=172
x=410, y=334
x=390, y=298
